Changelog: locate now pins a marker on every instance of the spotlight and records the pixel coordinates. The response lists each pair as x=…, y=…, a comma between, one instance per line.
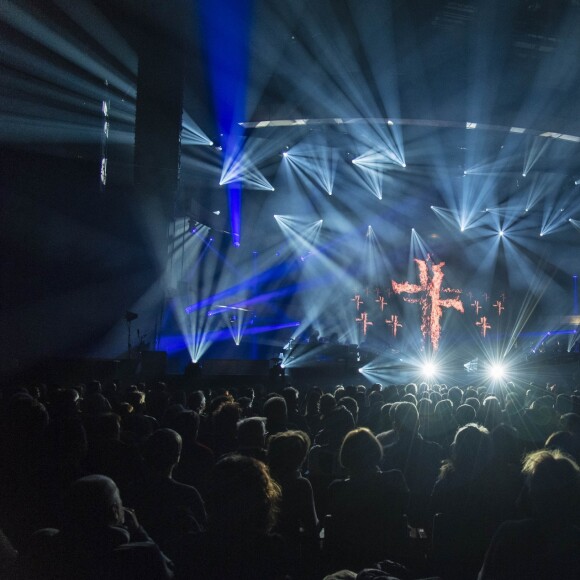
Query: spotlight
x=500, y=233
x=404, y=165
x=496, y=372
x=285, y=154
x=429, y=369
x=389, y=122
x=360, y=371
x=524, y=174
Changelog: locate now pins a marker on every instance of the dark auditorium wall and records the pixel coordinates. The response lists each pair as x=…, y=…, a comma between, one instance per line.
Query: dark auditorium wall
x=75, y=256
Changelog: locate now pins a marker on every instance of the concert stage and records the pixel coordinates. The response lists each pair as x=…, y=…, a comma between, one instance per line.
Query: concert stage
x=322, y=365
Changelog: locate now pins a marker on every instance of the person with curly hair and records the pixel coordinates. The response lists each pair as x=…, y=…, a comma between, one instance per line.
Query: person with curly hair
x=242, y=506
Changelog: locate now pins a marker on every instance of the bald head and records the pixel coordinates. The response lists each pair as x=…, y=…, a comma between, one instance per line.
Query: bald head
x=94, y=501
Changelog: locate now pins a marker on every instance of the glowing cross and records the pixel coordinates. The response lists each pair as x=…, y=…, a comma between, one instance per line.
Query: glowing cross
x=364, y=318
x=430, y=299
x=394, y=320
x=382, y=302
x=500, y=307
x=357, y=300
x=477, y=306
x=484, y=325
x=486, y=296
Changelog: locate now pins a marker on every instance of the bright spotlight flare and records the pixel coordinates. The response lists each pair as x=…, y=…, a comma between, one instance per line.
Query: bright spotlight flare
x=497, y=372
x=429, y=369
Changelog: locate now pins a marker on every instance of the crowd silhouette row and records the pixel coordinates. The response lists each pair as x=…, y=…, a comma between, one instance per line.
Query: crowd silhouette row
x=402, y=481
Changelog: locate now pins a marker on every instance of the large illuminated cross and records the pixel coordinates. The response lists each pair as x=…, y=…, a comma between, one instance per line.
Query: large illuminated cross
x=429, y=291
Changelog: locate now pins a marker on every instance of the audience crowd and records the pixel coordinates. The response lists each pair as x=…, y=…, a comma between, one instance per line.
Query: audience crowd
x=100, y=481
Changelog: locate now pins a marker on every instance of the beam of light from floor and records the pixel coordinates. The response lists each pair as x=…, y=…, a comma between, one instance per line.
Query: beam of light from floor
x=81, y=56
x=226, y=40
x=418, y=248
x=538, y=187
x=378, y=160
x=243, y=170
x=372, y=265
x=315, y=164
x=369, y=179
x=235, y=208
x=574, y=223
x=88, y=17
x=301, y=234
x=187, y=249
x=535, y=148
x=447, y=216
x=377, y=35
x=554, y=221
x=304, y=173
x=236, y=319
x=558, y=209
x=573, y=337
x=539, y=283
x=191, y=133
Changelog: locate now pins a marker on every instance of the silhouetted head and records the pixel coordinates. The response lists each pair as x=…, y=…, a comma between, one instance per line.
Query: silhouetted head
x=326, y=404
x=162, y=451
x=242, y=498
x=252, y=432
x=351, y=405
x=186, y=423
x=226, y=418
x=455, y=395
x=570, y=422
x=290, y=395
x=336, y=425
x=405, y=417
x=275, y=410
x=465, y=414
x=360, y=451
x=553, y=481
x=287, y=451
x=93, y=502
x=471, y=449
x=566, y=442
x=196, y=401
